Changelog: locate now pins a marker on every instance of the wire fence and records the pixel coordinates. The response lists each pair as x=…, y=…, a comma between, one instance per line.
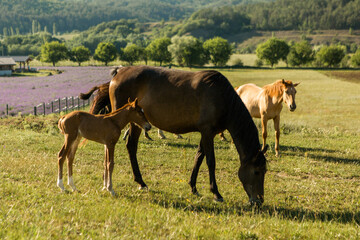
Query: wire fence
x=65, y=104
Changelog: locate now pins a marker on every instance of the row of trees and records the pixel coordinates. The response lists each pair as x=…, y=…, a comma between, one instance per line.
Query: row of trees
x=185, y=51
x=301, y=54
x=190, y=51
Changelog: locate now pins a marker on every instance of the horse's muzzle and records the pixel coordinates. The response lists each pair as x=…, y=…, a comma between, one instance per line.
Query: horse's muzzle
x=292, y=108
x=257, y=202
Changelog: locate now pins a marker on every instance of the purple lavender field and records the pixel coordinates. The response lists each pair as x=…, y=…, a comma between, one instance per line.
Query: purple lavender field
x=23, y=93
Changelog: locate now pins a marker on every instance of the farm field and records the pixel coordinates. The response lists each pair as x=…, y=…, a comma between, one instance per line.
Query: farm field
x=23, y=93
x=311, y=191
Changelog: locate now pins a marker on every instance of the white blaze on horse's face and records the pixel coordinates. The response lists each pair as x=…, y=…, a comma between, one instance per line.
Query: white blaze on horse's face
x=289, y=96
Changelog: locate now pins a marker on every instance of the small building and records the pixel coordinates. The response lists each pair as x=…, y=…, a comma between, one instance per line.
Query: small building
x=22, y=61
x=6, y=66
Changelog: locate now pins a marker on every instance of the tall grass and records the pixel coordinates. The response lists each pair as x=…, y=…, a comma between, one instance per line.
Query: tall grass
x=311, y=191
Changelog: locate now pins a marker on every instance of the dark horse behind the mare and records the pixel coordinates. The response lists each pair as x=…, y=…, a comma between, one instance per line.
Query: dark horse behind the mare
x=180, y=102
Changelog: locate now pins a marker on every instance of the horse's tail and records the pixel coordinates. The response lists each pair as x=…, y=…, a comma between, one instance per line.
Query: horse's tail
x=114, y=71
x=101, y=103
x=85, y=96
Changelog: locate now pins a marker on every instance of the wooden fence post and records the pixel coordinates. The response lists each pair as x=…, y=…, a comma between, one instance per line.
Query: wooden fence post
x=7, y=109
x=59, y=105
x=44, y=107
x=34, y=110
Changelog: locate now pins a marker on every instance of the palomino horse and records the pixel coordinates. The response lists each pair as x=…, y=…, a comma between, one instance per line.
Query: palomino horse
x=266, y=103
x=180, y=102
x=105, y=129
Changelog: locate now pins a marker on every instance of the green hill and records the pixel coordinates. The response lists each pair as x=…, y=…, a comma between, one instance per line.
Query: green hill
x=26, y=16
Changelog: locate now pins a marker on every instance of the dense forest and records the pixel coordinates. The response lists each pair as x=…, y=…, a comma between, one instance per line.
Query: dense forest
x=28, y=24
x=201, y=17
x=277, y=15
x=20, y=16
x=304, y=15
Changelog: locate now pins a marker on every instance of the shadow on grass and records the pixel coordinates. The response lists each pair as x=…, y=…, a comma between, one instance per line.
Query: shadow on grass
x=313, y=153
x=301, y=214
x=194, y=204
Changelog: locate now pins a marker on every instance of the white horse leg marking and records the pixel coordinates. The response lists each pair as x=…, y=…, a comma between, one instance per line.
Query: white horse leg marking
x=60, y=184
x=71, y=183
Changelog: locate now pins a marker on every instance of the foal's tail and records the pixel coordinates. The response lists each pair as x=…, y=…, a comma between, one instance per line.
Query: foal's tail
x=61, y=125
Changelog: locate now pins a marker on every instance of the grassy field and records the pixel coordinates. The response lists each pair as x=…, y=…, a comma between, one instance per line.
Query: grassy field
x=311, y=191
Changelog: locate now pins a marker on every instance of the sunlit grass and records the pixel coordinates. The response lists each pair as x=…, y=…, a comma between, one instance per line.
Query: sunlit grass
x=311, y=191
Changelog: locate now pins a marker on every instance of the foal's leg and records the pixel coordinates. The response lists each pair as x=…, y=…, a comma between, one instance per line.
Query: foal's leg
x=264, y=121
x=126, y=133
x=132, y=149
x=71, y=156
x=277, y=134
x=105, y=175
x=61, y=159
x=110, y=167
x=207, y=141
x=222, y=137
x=199, y=157
x=161, y=134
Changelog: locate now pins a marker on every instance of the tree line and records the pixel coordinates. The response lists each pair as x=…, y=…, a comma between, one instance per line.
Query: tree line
x=185, y=51
x=190, y=51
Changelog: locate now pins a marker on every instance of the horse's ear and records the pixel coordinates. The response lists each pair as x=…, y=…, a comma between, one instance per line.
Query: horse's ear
x=129, y=101
x=295, y=84
x=265, y=149
x=283, y=81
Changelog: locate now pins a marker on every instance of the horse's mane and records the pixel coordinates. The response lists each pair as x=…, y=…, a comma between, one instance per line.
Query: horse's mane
x=276, y=88
x=110, y=114
x=239, y=121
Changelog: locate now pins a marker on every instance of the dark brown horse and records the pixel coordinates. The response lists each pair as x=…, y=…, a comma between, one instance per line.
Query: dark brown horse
x=180, y=102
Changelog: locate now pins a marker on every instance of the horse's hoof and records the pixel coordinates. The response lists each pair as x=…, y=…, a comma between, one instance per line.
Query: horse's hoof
x=144, y=188
x=196, y=194
x=113, y=193
x=219, y=199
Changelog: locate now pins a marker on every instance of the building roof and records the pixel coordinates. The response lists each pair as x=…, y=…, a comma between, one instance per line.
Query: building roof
x=6, y=61
x=19, y=58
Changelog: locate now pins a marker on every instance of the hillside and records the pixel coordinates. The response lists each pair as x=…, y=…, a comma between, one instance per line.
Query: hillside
x=247, y=41
x=307, y=15
x=26, y=16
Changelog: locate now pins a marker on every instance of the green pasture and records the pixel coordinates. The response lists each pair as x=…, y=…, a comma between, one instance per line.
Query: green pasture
x=311, y=192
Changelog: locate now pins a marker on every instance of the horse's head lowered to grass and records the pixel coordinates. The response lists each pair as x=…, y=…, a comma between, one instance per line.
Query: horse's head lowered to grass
x=252, y=176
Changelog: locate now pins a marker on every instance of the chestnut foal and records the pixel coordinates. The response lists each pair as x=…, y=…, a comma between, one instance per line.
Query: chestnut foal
x=105, y=129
